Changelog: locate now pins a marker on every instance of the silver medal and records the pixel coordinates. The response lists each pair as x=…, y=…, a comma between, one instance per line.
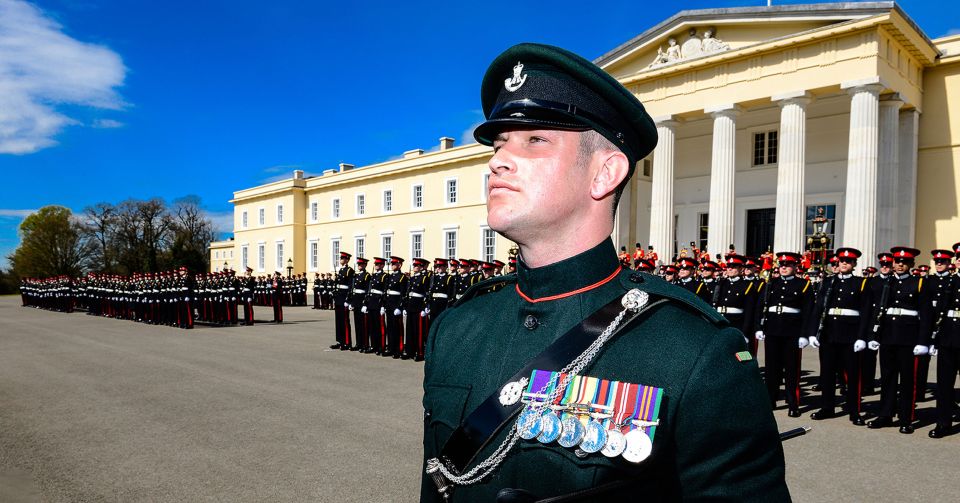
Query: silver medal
x=549, y=428
x=638, y=446
x=528, y=425
x=616, y=443
x=594, y=437
x=512, y=391
x=572, y=432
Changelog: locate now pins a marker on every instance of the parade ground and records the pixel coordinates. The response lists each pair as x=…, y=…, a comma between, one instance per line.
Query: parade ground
x=95, y=409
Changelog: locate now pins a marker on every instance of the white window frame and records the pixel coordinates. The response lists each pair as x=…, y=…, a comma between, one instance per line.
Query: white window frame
x=360, y=204
x=335, y=253
x=314, y=211
x=244, y=256
x=261, y=256
x=280, y=213
x=216, y=255
x=243, y=219
x=360, y=245
x=279, y=251
x=446, y=191
x=765, y=130
x=314, y=250
x=413, y=196
x=483, y=244
x=262, y=214
x=413, y=248
x=383, y=251
x=447, y=233
x=383, y=200
x=335, y=209
x=484, y=181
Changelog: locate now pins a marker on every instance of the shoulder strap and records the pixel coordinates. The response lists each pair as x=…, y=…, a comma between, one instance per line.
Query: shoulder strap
x=491, y=416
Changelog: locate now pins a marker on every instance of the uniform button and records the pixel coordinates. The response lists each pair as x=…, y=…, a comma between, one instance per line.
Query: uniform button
x=531, y=322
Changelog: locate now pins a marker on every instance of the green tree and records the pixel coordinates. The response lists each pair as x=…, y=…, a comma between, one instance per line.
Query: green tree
x=52, y=243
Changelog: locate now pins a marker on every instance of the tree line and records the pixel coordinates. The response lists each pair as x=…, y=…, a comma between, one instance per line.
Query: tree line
x=132, y=236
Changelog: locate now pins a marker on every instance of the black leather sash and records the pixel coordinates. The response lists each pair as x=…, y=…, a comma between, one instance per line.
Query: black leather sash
x=483, y=424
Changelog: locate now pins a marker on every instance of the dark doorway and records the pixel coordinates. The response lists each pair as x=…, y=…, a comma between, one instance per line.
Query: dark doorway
x=760, y=231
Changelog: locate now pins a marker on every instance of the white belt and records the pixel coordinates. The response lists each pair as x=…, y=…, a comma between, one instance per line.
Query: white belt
x=783, y=309
x=729, y=310
x=375, y=291
x=357, y=290
x=343, y=287
x=415, y=294
x=393, y=292
x=897, y=311
x=837, y=311
x=441, y=296
x=459, y=296
x=953, y=314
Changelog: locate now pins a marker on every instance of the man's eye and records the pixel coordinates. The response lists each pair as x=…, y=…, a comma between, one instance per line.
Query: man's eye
x=537, y=139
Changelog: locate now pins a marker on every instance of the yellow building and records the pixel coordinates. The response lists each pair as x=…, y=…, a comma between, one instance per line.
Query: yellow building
x=765, y=115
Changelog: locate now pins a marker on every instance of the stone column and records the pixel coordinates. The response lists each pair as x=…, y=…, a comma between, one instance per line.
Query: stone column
x=722, y=178
x=907, y=177
x=661, y=194
x=860, y=209
x=888, y=164
x=791, y=161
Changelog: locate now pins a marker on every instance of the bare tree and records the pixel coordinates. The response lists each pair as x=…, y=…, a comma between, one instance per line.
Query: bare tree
x=193, y=231
x=100, y=221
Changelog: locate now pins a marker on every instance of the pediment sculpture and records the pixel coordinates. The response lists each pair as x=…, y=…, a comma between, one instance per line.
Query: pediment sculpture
x=693, y=47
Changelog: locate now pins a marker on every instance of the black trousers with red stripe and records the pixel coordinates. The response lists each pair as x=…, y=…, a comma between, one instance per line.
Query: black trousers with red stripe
x=341, y=317
x=782, y=364
x=360, y=321
x=948, y=364
x=898, y=371
x=394, y=333
x=416, y=334
x=834, y=357
x=376, y=332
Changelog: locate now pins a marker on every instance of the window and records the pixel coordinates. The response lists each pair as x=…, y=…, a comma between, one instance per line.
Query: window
x=335, y=254
x=416, y=245
x=243, y=220
x=336, y=208
x=313, y=211
x=827, y=211
x=261, y=256
x=703, y=227
x=279, y=213
x=216, y=254
x=450, y=241
x=647, y=168
x=452, y=191
x=361, y=203
x=280, y=264
x=244, y=257
x=314, y=246
x=764, y=148
x=388, y=200
x=418, y=196
x=489, y=242
x=360, y=246
x=263, y=216
x=386, y=245
x=484, y=188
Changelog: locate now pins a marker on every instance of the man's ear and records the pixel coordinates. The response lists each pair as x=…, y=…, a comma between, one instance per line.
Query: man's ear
x=614, y=169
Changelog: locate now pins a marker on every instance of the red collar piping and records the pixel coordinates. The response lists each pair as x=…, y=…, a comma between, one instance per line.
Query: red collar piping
x=570, y=293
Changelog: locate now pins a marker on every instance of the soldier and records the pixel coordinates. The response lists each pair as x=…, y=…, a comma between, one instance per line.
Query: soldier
x=414, y=305
x=464, y=279
x=276, y=297
x=361, y=282
x=441, y=290
x=708, y=271
x=869, y=272
x=396, y=287
x=736, y=300
x=374, y=309
x=786, y=308
x=317, y=288
x=869, y=355
x=341, y=307
x=901, y=333
x=566, y=137
x=248, y=284
x=940, y=282
x=687, y=278
x=839, y=327
x=670, y=273
x=512, y=264
x=946, y=347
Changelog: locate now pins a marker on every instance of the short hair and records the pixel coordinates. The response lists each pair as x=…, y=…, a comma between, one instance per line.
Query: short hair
x=592, y=142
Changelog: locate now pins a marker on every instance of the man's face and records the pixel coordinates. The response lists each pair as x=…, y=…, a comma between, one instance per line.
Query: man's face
x=706, y=273
x=343, y=261
x=536, y=182
x=902, y=266
x=787, y=269
x=732, y=272
x=684, y=272
x=440, y=269
x=846, y=266
x=885, y=268
x=395, y=266
x=941, y=265
x=462, y=270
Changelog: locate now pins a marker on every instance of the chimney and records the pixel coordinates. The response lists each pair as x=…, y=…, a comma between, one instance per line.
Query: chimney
x=330, y=171
x=446, y=142
x=413, y=153
x=298, y=174
x=345, y=167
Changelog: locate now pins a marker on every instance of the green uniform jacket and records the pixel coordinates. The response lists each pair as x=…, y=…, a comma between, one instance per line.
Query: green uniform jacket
x=717, y=437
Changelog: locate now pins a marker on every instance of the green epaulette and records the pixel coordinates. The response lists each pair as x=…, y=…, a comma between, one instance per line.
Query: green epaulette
x=486, y=286
x=655, y=285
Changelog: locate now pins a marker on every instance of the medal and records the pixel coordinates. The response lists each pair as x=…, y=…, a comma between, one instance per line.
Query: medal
x=550, y=428
x=594, y=437
x=528, y=424
x=572, y=432
x=638, y=446
x=616, y=443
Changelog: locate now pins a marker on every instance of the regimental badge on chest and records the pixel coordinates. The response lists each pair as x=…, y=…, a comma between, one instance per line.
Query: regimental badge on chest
x=590, y=415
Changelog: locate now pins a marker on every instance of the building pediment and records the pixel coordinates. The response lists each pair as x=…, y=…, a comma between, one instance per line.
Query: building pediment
x=696, y=34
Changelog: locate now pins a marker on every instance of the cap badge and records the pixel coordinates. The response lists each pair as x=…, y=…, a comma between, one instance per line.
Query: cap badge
x=514, y=83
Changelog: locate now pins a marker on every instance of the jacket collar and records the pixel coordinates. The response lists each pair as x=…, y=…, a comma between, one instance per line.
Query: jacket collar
x=571, y=276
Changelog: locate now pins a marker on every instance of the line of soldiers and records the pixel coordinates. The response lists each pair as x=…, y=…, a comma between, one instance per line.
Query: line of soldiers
x=293, y=290
x=172, y=298
x=392, y=310
x=898, y=313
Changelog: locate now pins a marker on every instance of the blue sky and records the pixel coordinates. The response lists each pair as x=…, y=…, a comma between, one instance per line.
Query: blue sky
x=109, y=100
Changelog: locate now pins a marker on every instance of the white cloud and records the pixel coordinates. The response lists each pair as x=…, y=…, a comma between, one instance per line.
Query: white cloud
x=106, y=124
x=951, y=32
x=222, y=220
x=12, y=213
x=41, y=68
x=466, y=137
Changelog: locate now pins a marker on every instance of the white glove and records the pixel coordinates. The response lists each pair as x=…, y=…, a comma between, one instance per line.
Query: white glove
x=873, y=345
x=363, y=309
x=350, y=307
x=814, y=342
x=760, y=335
x=383, y=310
x=396, y=312
x=859, y=346
x=426, y=309
x=346, y=304
x=933, y=350
x=803, y=342
x=423, y=313
x=920, y=349
x=404, y=312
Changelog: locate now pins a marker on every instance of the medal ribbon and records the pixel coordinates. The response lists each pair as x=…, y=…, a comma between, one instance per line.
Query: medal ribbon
x=647, y=406
x=626, y=403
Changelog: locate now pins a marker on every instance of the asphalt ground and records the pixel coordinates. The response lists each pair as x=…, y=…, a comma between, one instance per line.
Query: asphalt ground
x=95, y=409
